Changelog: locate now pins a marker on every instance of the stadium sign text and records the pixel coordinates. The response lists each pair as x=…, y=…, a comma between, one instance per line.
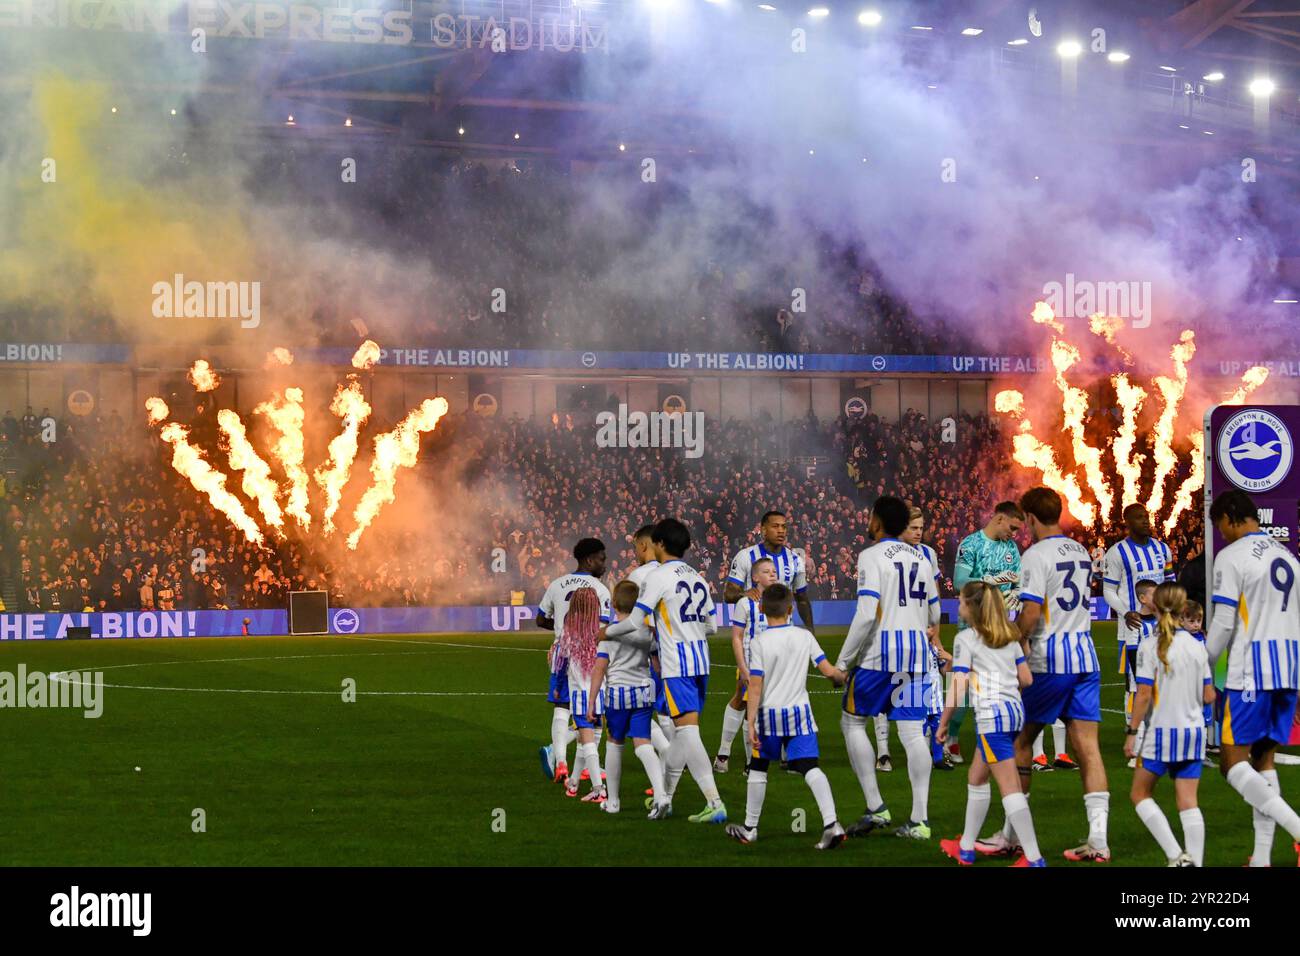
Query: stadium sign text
x=372, y=620
x=49, y=353
x=741, y=361
x=474, y=358
x=273, y=20
x=462, y=31
x=219, y=18
x=1282, y=368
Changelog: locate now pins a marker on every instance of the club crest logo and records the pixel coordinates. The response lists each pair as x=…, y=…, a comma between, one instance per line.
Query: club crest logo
x=1255, y=450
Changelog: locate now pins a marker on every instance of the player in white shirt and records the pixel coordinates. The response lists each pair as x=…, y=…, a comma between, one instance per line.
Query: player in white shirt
x=780, y=715
x=790, y=566
x=989, y=664
x=938, y=757
x=590, y=556
x=891, y=670
x=586, y=612
x=1256, y=600
x=1056, y=621
x=623, y=667
x=678, y=601
x=747, y=622
x=1174, y=685
x=661, y=731
x=1147, y=619
x=1136, y=557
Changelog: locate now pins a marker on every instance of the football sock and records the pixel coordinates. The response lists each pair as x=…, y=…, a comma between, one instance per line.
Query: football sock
x=861, y=757
x=1097, y=807
x=1264, y=826
x=658, y=740
x=978, y=797
x=654, y=769
x=560, y=735
x=1059, y=739
x=1016, y=807
x=1248, y=782
x=954, y=724
x=919, y=766
x=1193, y=833
x=754, y=794
x=698, y=762
x=613, y=770
x=1151, y=814
x=591, y=762
x=821, y=790
x=731, y=721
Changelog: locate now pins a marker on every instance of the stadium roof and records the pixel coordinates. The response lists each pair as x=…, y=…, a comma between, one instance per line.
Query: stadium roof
x=435, y=81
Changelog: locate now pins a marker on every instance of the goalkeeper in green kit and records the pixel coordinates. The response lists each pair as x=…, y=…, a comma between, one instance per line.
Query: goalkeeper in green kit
x=989, y=555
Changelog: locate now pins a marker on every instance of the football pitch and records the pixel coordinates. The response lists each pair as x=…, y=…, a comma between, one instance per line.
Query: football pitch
x=435, y=763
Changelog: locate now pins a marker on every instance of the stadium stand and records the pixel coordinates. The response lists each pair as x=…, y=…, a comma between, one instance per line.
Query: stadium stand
x=92, y=521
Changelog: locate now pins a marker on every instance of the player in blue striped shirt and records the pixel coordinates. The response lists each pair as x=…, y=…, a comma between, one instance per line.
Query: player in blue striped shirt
x=780, y=715
x=1257, y=622
x=1138, y=557
x=747, y=622
x=623, y=667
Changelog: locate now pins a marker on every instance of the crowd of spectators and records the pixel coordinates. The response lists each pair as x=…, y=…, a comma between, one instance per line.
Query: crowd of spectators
x=98, y=520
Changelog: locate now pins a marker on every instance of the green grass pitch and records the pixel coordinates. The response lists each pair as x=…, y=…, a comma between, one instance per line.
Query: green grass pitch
x=440, y=743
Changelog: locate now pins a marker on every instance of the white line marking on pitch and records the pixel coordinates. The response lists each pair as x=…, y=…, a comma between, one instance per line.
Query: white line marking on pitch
x=374, y=693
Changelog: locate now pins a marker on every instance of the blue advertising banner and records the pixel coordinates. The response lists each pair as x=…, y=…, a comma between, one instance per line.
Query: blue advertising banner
x=686, y=361
x=344, y=621
x=48, y=353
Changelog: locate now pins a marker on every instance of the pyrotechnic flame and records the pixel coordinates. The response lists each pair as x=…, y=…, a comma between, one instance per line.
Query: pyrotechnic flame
x=1171, y=390
x=1191, y=484
x=202, y=377
x=367, y=355
x=1127, y=464
x=257, y=482
x=351, y=406
x=157, y=408
x=394, y=449
x=1107, y=326
x=286, y=415
x=1030, y=452
x=1074, y=405
x=189, y=461
x=1251, y=379
x=1044, y=315
x=279, y=356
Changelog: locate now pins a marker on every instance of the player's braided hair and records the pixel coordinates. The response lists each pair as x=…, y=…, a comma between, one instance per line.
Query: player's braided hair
x=581, y=628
